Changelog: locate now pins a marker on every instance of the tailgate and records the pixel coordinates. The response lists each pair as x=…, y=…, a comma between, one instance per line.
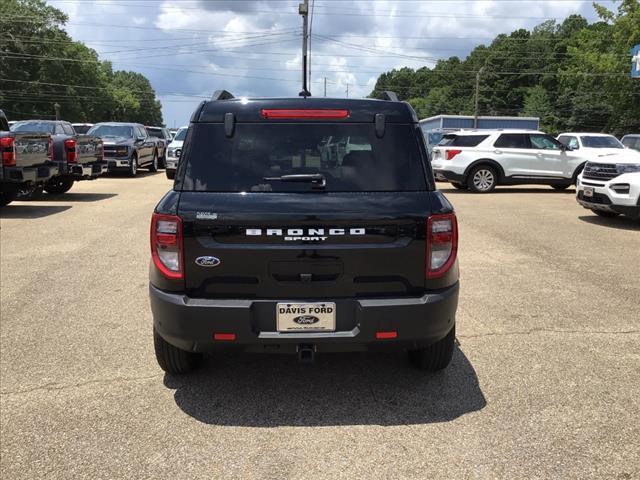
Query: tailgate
x=304, y=246
x=32, y=149
x=89, y=148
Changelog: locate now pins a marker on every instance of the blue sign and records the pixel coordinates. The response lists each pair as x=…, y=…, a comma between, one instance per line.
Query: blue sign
x=635, y=61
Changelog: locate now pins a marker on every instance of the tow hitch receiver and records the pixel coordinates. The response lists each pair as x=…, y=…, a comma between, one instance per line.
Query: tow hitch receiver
x=306, y=353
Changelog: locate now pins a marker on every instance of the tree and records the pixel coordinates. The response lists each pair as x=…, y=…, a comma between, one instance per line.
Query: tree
x=41, y=65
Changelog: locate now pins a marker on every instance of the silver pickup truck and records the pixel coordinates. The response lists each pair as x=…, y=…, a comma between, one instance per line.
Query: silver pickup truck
x=78, y=157
x=25, y=161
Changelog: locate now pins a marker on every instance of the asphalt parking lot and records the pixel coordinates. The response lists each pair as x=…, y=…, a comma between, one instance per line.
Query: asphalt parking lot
x=545, y=382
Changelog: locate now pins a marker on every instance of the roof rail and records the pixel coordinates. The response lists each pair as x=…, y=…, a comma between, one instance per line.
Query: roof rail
x=389, y=95
x=222, y=95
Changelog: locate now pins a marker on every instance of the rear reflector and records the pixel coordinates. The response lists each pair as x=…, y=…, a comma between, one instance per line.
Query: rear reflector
x=224, y=336
x=317, y=114
x=7, y=147
x=442, y=244
x=386, y=335
x=166, y=245
x=449, y=154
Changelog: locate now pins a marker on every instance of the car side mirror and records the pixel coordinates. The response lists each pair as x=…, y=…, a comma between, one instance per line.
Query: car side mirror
x=140, y=139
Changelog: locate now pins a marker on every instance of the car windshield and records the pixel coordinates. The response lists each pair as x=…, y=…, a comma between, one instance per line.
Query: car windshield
x=155, y=132
x=40, y=127
x=181, y=134
x=111, y=131
x=263, y=158
x=601, y=142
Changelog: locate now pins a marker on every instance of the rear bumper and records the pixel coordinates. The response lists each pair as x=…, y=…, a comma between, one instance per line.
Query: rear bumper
x=88, y=171
x=21, y=175
x=449, y=176
x=190, y=323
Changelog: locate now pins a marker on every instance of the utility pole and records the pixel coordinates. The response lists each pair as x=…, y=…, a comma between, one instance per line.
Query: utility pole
x=303, y=9
x=475, y=114
x=325, y=86
x=56, y=107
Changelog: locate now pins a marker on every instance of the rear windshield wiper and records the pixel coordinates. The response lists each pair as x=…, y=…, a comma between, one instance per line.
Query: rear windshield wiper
x=317, y=179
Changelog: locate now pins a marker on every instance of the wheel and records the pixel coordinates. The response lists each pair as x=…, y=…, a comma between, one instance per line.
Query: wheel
x=153, y=167
x=58, y=185
x=482, y=179
x=605, y=213
x=434, y=357
x=171, y=174
x=7, y=197
x=561, y=186
x=459, y=186
x=172, y=359
x=162, y=161
x=133, y=166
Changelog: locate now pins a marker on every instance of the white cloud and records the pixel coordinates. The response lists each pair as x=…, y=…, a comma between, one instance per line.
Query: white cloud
x=252, y=48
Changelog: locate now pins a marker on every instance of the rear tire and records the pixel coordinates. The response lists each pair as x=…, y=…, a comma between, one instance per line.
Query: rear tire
x=7, y=197
x=153, y=167
x=604, y=213
x=58, y=185
x=172, y=359
x=171, y=174
x=459, y=186
x=561, y=186
x=482, y=179
x=434, y=357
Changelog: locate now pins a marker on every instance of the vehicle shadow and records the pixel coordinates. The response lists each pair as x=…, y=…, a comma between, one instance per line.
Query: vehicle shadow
x=31, y=211
x=140, y=174
x=338, y=389
x=620, y=223
x=74, y=197
x=498, y=190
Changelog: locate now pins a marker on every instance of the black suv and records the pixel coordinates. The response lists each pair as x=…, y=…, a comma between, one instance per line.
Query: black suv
x=303, y=225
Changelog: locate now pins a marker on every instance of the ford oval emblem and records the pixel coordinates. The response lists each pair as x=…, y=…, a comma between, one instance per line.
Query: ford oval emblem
x=208, y=261
x=306, y=320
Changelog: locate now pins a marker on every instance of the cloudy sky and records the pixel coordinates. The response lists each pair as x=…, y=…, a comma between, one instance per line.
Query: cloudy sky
x=190, y=48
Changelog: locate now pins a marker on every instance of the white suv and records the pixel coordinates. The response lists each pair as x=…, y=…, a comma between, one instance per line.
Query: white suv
x=479, y=160
x=174, y=150
x=610, y=186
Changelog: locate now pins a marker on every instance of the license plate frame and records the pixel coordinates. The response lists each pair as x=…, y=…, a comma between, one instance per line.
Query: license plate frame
x=588, y=192
x=297, y=317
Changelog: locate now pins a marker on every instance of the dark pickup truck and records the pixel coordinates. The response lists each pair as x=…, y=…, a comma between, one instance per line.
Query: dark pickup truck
x=78, y=157
x=127, y=146
x=26, y=161
x=273, y=240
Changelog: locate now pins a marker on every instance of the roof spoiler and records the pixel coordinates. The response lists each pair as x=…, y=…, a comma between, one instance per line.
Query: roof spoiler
x=222, y=95
x=390, y=96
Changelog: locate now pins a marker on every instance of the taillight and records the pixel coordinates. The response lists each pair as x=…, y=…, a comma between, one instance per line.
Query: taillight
x=449, y=154
x=442, y=244
x=8, y=149
x=166, y=245
x=70, y=150
x=316, y=113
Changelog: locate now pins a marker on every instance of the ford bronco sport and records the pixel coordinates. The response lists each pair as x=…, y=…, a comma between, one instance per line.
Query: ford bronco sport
x=303, y=225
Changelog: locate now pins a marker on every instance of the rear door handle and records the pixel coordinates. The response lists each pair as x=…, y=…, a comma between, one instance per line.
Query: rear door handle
x=497, y=151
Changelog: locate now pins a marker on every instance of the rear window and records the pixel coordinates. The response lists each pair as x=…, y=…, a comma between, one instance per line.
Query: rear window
x=462, y=140
x=82, y=129
x=349, y=156
x=153, y=132
x=512, y=140
x=38, y=127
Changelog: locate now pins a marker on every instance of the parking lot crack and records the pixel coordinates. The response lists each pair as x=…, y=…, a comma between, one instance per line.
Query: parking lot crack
x=53, y=387
x=550, y=330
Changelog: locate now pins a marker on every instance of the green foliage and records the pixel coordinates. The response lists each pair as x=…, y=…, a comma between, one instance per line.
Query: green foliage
x=40, y=65
x=573, y=75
